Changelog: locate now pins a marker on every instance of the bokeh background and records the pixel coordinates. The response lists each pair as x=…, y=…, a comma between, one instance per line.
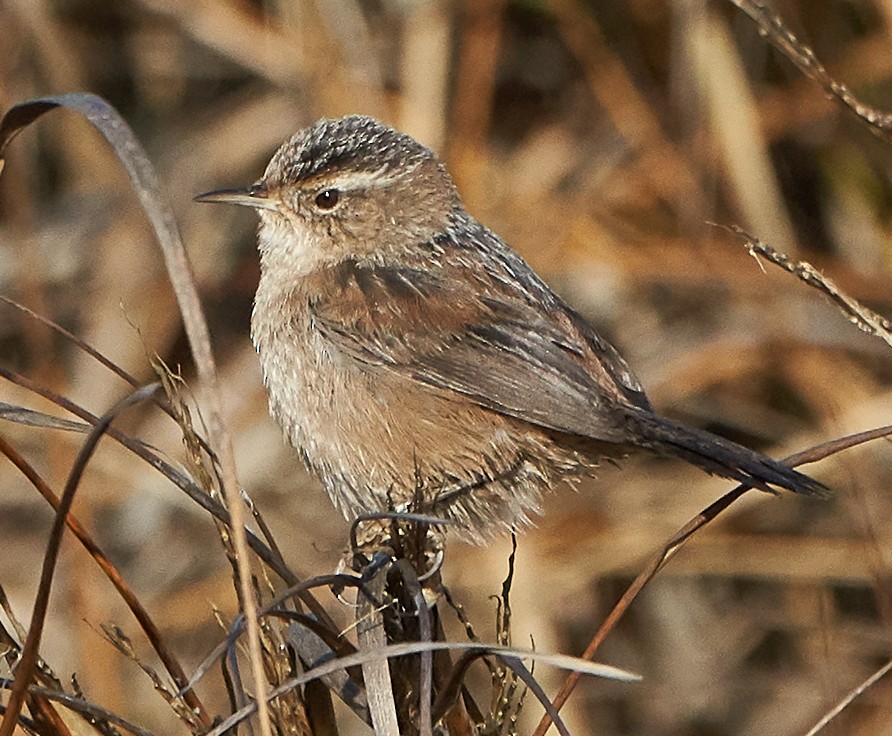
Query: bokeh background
x=600, y=139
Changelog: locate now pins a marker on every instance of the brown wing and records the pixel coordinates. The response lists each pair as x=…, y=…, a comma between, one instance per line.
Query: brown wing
x=499, y=338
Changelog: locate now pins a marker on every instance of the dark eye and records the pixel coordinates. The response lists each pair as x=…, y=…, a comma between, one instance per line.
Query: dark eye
x=327, y=199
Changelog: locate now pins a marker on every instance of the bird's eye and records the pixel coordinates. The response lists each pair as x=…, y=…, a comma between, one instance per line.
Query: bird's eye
x=327, y=199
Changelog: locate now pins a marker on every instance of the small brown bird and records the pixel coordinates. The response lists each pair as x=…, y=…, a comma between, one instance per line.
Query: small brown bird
x=409, y=352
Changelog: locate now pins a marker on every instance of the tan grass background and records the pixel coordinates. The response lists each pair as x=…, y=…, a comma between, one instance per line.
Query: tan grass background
x=599, y=139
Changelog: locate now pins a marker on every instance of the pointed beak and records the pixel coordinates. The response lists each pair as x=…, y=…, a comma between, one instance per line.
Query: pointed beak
x=256, y=196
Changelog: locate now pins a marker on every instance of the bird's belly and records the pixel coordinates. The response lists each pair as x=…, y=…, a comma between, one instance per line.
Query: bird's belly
x=380, y=440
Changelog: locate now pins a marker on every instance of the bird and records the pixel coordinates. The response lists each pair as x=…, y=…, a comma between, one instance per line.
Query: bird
x=417, y=362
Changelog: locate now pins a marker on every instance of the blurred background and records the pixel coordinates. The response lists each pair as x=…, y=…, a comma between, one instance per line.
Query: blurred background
x=600, y=139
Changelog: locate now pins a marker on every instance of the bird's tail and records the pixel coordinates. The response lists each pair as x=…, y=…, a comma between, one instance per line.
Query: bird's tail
x=719, y=456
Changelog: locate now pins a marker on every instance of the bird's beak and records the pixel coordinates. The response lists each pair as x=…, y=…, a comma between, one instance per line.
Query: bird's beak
x=256, y=196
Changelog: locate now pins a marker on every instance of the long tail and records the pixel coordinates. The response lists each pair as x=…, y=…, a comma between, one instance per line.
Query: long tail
x=719, y=456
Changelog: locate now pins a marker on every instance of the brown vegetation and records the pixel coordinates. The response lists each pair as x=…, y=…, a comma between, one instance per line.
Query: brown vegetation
x=600, y=139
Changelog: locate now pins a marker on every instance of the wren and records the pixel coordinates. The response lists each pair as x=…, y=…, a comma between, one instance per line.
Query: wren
x=411, y=355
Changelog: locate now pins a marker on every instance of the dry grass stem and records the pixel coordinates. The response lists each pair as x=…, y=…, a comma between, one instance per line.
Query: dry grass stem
x=859, y=315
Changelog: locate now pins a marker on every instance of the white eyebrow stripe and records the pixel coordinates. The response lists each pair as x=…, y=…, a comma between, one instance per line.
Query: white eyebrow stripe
x=377, y=179
x=361, y=180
